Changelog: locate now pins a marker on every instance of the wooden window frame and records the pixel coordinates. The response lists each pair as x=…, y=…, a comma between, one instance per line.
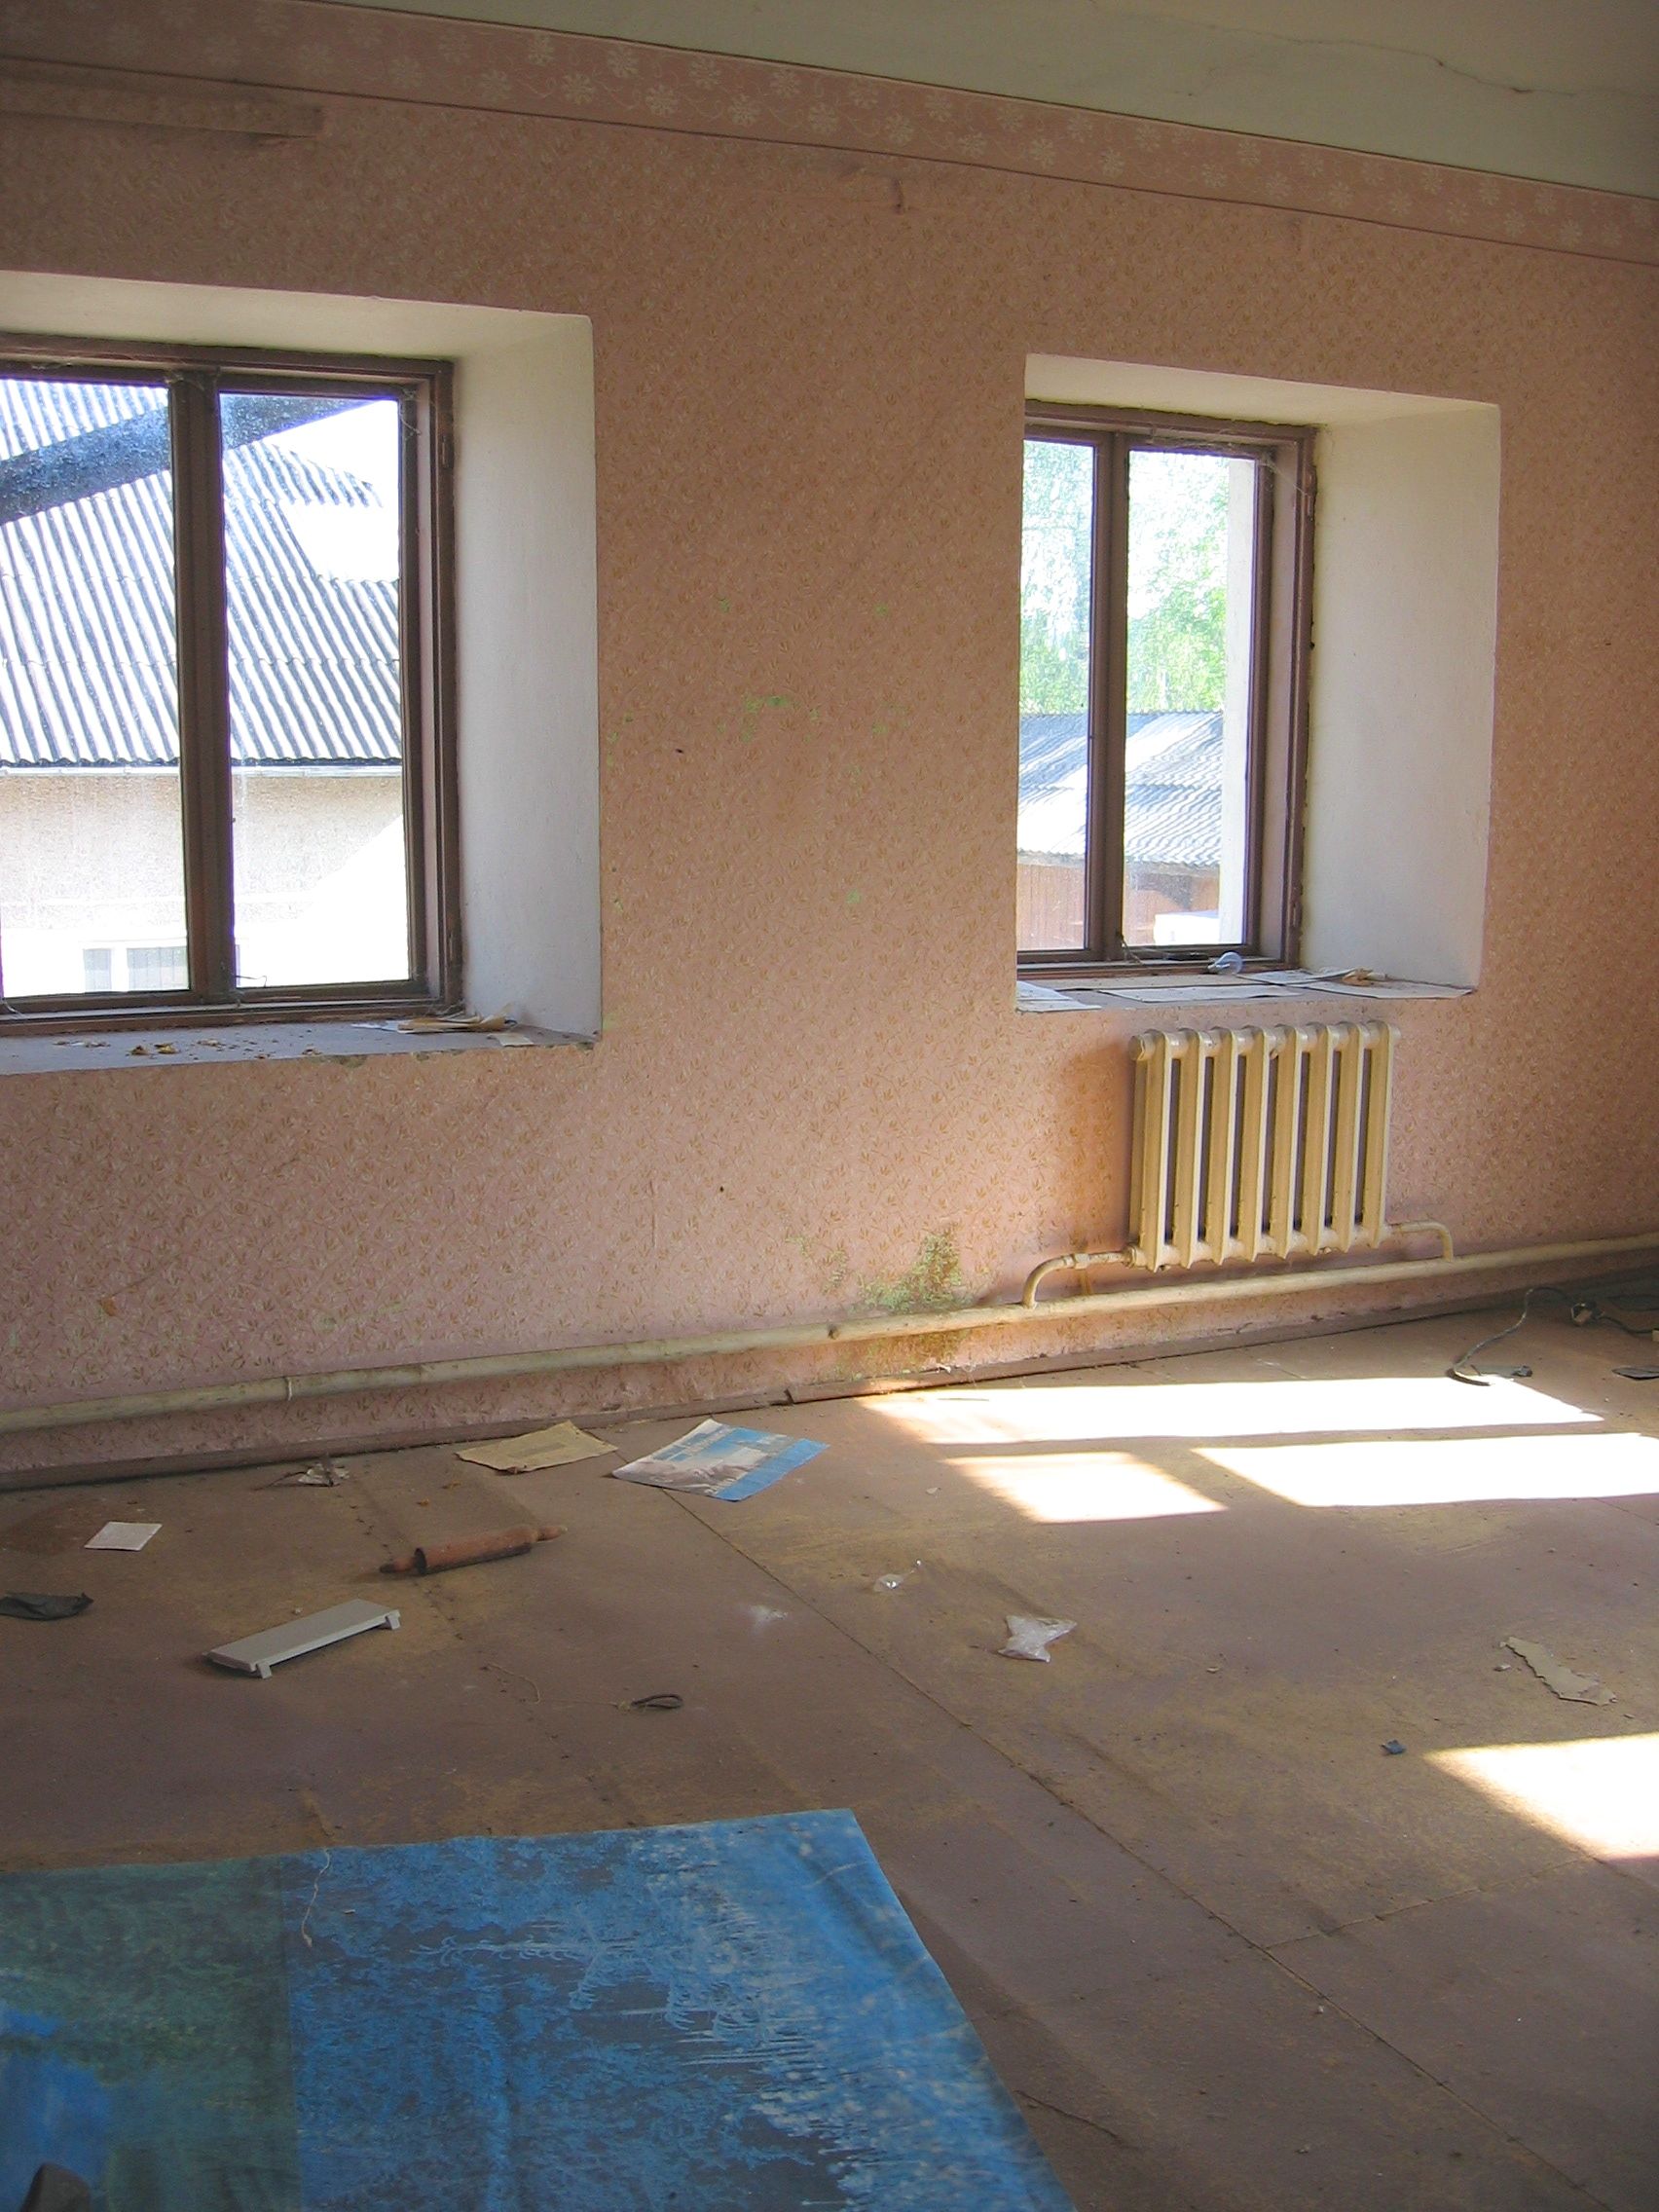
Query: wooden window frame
x=194, y=376
x=1281, y=640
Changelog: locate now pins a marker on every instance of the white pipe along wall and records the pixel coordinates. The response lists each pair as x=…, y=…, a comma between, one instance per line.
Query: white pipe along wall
x=487, y=1367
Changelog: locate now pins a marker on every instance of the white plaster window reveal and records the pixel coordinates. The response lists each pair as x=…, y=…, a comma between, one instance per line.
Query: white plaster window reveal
x=526, y=724
x=1401, y=682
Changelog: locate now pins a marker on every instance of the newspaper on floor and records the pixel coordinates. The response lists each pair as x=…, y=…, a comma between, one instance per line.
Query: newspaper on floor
x=714, y=1460
x=555, y=1446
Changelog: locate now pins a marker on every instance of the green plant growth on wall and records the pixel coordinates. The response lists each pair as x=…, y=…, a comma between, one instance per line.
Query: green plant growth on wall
x=933, y=1282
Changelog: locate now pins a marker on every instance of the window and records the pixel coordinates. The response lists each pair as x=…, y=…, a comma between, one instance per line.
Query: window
x=225, y=782
x=1163, y=597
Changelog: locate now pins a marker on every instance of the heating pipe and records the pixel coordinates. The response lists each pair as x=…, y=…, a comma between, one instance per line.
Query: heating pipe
x=1128, y=1256
x=495, y=1366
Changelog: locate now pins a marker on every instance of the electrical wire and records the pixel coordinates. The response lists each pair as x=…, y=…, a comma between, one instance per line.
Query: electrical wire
x=1462, y=1370
x=1583, y=1312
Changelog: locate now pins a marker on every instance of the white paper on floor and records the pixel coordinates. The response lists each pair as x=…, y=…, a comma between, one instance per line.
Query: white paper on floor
x=1029, y=1636
x=121, y=1536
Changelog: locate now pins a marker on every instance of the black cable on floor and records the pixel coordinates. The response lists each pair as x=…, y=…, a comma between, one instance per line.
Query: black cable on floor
x=1582, y=1312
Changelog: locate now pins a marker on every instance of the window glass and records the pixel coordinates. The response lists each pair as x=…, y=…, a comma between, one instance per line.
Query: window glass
x=1186, y=753
x=1055, y=586
x=312, y=552
x=90, y=819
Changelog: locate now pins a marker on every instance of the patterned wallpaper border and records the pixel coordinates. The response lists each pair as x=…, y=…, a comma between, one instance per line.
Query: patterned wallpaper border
x=313, y=45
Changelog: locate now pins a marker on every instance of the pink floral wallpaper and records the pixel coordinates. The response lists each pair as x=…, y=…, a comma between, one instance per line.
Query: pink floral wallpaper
x=813, y=297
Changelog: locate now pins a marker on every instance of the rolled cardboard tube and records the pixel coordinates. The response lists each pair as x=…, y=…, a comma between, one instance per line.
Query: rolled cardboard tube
x=469, y=1551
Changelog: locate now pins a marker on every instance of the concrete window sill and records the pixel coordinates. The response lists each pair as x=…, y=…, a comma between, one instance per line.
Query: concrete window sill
x=1182, y=994
x=98, y=1050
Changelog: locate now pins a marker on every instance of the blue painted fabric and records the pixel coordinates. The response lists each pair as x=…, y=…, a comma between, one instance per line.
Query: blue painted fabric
x=732, y=2017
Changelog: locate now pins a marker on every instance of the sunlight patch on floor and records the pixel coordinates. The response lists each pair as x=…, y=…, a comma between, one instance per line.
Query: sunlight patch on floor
x=1601, y=1794
x=1108, y=1412
x=1448, y=1471
x=1085, y=1486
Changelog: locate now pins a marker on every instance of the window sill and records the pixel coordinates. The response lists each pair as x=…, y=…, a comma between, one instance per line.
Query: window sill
x=350, y=1042
x=1097, y=995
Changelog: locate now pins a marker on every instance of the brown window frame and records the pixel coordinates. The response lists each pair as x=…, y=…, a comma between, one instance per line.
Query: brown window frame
x=1282, y=637
x=194, y=376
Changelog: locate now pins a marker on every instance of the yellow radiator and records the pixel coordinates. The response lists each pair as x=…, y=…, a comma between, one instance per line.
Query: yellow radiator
x=1251, y=1143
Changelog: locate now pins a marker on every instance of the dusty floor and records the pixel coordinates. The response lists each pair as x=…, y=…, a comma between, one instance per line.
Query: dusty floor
x=1226, y=1950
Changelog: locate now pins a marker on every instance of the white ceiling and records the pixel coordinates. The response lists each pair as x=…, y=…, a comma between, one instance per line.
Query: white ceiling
x=1562, y=89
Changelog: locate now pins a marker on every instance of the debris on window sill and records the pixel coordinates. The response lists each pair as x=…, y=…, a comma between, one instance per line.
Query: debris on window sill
x=435, y=1025
x=57, y=1052
x=1221, y=986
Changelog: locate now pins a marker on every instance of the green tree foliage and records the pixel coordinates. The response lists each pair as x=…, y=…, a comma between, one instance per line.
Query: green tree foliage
x=1055, y=575
x=1177, y=592
x=1177, y=584
x=1177, y=661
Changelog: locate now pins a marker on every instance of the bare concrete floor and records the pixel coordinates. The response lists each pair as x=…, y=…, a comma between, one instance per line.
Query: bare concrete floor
x=1226, y=1950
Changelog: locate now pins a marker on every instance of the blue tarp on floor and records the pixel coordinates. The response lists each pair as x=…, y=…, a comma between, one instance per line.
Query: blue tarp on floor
x=733, y=2017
